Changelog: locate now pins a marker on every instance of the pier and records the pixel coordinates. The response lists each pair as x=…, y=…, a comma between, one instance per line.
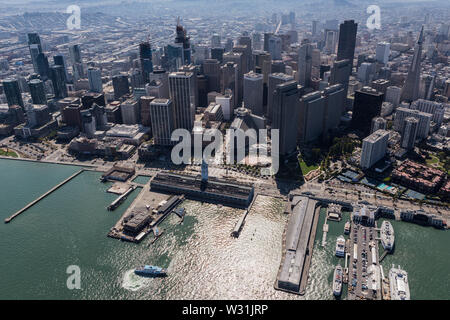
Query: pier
x=28, y=206
x=116, y=203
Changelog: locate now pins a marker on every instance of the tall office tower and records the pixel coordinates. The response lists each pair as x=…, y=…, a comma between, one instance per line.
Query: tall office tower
x=211, y=69
x=58, y=77
x=202, y=91
x=274, y=47
x=292, y=17
x=285, y=109
x=246, y=41
x=60, y=60
x=163, y=76
x=43, y=66
x=88, y=123
x=253, y=92
x=37, y=91
x=315, y=27
x=77, y=62
x=91, y=98
x=424, y=121
x=447, y=88
x=435, y=108
x=366, y=106
x=95, y=80
x=340, y=73
x=426, y=86
x=382, y=52
x=136, y=80
x=145, y=102
x=334, y=106
x=262, y=60
x=184, y=40
x=374, y=148
x=277, y=66
x=315, y=58
x=380, y=85
x=201, y=53
x=182, y=93
x=305, y=64
x=347, y=40
x=121, y=85
x=145, y=56
x=230, y=76
x=410, y=90
x=217, y=53
x=215, y=41
x=274, y=80
x=12, y=92
x=393, y=94
x=237, y=58
x=267, y=36
x=130, y=111
x=409, y=133
x=227, y=103
x=229, y=45
x=377, y=124
x=332, y=24
x=366, y=72
x=246, y=57
x=330, y=41
x=194, y=70
x=154, y=89
x=35, y=47
x=257, y=41
x=311, y=117
x=162, y=121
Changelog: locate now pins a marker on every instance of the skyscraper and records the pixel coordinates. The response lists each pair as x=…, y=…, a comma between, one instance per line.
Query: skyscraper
x=211, y=69
x=253, y=92
x=285, y=109
x=43, y=66
x=182, y=39
x=366, y=106
x=410, y=91
x=12, y=92
x=182, y=94
x=409, y=134
x=95, y=80
x=58, y=77
x=77, y=62
x=383, y=51
x=311, y=117
x=37, y=91
x=162, y=121
x=35, y=47
x=374, y=148
x=347, y=40
x=274, y=47
x=274, y=80
x=305, y=64
x=145, y=55
x=121, y=85
x=377, y=124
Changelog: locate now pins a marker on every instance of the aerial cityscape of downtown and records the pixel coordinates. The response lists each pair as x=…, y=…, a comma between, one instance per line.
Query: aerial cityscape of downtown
x=225, y=150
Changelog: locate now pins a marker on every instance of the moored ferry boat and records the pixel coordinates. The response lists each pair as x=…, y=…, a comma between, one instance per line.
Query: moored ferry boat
x=387, y=236
x=398, y=283
x=340, y=247
x=337, y=280
x=347, y=227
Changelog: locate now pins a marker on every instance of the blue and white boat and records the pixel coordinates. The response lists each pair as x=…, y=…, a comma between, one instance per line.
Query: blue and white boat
x=150, y=271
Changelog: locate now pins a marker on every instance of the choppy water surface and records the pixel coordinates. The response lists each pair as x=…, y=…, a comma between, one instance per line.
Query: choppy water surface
x=203, y=260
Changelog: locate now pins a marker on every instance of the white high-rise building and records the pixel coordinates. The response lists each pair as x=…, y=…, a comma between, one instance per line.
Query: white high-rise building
x=226, y=101
x=424, y=121
x=130, y=111
x=182, y=90
x=393, y=95
x=374, y=148
x=435, y=108
x=409, y=133
x=253, y=92
x=382, y=52
x=161, y=117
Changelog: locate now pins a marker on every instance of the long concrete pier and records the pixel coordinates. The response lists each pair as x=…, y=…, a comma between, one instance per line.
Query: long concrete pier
x=28, y=206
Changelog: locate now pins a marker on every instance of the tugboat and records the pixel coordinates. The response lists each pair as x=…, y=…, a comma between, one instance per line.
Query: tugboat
x=150, y=271
x=337, y=281
x=340, y=247
x=347, y=227
x=387, y=236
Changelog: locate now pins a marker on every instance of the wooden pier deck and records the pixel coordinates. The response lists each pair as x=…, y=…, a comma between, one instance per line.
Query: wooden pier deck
x=32, y=203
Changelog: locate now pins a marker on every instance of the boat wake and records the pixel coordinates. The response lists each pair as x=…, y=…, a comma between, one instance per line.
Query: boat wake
x=133, y=282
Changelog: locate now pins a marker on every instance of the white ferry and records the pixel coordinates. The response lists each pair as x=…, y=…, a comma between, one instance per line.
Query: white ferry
x=340, y=246
x=387, y=235
x=337, y=281
x=399, y=285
